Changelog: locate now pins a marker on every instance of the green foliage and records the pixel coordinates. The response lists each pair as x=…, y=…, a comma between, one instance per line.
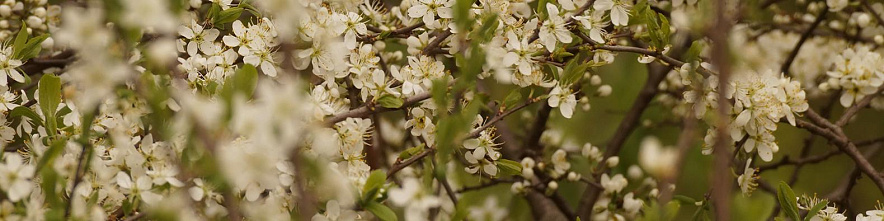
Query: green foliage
x=574, y=70
x=24, y=47
x=242, y=82
x=55, y=149
x=654, y=212
x=461, y=11
x=227, y=16
x=373, y=185
x=658, y=25
x=815, y=209
x=381, y=211
x=693, y=53
x=788, y=201
x=50, y=97
x=22, y=111
x=390, y=101
x=509, y=167
x=407, y=153
x=511, y=99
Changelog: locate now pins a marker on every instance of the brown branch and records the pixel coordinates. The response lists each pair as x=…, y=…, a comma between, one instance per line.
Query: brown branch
x=433, y=45
x=403, y=164
x=558, y=201
x=804, y=36
x=444, y=181
x=501, y=116
x=721, y=177
x=491, y=183
x=800, y=161
x=837, y=137
x=369, y=108
x=627, y=125
x=853, y=110
x=403, y=32
x=869, y=142
x=533, y=137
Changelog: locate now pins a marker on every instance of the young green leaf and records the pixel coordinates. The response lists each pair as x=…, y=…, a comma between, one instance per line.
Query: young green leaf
x=22, y=111
x=32, y=48
x=227, y=16
x=815, y=210
x=50, y=96
x=375, y=180
x=407, y=153
x=380, y=211
x=509, y=167
x=390, y=101
x=511, y=99
x=243, y=81
x=20, y=39
x=788, y=201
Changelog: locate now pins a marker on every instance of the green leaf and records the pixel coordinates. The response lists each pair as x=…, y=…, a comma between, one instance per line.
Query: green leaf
x=694, y=51
x=664, y=29
x=32, y=48
x=461, y=11
x=685, y=199
x=381, y=211
x=375, y=181
x=407, y=153
x=243, y=81
x=50, y=97
x=509, y=167
x=390, y=101
x=227, y=16
x=541, y=10
x=511, y=99
x=654, y=212
x=213, y=11
x=815, y=210
x=788, y=201
x=22, y=111
x=20, y=39
x=574, y=70
x=50, y=154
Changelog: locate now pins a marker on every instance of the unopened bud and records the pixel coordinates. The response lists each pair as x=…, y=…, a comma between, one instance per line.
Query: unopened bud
x=572, y=176
x=604, y=90
x=613, y=161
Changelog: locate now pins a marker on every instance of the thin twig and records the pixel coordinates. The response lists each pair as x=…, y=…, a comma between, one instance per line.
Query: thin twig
x=819, y=19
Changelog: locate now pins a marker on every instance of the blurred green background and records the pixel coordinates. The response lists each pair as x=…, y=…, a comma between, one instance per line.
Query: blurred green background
x=597, y=125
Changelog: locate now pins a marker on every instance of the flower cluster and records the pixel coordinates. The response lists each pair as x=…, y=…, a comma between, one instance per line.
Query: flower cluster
x=351, y=110
x=857, y=73
x=760, y=101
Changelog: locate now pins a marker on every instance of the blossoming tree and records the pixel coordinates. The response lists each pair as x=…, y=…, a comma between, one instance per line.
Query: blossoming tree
x=440, y=109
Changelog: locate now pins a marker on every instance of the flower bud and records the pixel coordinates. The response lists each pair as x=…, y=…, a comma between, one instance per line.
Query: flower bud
x=572, y=176
x=863, y=20
x=553, y=185
x=40, y=12
x=879, y=39
x=48, y=43
x=5, y=10
x=604, y=90
x=34, y=21
x=613, y=161
x=836, y=25
x=634, y=172
x=528, y=162
x=595, y=80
